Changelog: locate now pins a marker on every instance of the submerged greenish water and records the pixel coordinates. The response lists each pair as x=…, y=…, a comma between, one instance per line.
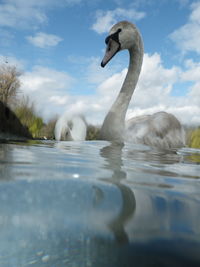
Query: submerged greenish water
x=98, y=204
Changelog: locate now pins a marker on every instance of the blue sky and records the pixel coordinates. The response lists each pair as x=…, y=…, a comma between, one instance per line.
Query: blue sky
x=58, y=46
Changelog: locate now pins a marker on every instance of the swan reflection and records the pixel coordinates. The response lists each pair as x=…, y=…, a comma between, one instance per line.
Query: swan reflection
x=113, y=156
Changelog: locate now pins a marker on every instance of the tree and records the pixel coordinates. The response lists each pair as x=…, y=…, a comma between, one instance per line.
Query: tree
x=9, y=83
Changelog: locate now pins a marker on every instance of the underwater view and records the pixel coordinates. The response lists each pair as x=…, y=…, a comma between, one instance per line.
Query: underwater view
x=97, y=203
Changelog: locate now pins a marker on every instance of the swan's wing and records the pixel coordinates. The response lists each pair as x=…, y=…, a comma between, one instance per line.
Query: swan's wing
x=79, y=128
x=70, y=127
x=160, y=129
x=62, y=131
x=168, y=130
x=136, y=129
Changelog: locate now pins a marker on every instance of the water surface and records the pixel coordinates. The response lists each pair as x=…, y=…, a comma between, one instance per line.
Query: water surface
x=98, y=204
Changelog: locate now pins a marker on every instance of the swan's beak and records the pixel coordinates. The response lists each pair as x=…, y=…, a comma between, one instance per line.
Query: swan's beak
x=112, y=48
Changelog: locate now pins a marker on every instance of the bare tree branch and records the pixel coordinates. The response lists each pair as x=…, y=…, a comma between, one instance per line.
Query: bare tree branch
x=9, y=83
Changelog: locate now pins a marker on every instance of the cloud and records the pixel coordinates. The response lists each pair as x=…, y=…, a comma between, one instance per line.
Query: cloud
x=58, y=100
x=95, y=74
x=28, y=14
x=187, y=37
x=20, y=64
x=153, y=91
x=17, y=15
x=44, y=40
x=51, y=91
x=191, y=74
x=106, y=19
x=155, y=83
x=47, y=88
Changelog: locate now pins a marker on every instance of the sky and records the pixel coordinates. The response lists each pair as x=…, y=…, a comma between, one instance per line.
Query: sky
x=58, y=47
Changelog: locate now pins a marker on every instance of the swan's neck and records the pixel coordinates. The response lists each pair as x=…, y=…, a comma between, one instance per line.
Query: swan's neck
x=114, y=123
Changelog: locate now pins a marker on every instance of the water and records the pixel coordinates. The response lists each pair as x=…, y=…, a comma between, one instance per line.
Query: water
x=82, y=204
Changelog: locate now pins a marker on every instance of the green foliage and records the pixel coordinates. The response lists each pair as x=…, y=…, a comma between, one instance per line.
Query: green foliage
x=92, y=132
x=194, y=139
x=36, y=127
x=25, y=111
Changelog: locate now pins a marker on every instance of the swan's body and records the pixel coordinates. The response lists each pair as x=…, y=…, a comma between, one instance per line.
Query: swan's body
x=70, y=127
x=160, y=129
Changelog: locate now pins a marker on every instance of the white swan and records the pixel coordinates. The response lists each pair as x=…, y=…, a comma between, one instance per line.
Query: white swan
x=70, y=127
x=160, y=129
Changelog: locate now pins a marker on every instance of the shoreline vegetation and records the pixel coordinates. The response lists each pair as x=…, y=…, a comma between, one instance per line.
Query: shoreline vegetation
x=19, y=119
x=23, y=121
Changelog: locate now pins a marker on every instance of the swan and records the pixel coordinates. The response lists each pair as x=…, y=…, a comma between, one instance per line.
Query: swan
x=70, y=127
x=160, y=129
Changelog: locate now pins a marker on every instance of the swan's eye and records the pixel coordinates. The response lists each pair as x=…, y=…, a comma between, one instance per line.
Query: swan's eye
x=114, y=36
x=107, y=39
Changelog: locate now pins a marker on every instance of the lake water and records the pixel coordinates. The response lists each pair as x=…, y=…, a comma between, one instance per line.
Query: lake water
x=82, y=204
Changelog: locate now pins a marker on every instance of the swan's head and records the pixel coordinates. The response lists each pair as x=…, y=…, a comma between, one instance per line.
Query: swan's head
x=123, y=35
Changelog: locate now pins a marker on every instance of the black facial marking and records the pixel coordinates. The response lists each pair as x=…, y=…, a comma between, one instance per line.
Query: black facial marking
x=114, y=36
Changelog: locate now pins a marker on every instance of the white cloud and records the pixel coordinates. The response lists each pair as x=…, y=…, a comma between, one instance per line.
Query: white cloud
x=50, y=90
x=58, y=100
x=95, y=74
x=28, y=13
x=46, y=88
x=44, y=40
x=15, y=14
x=153, y=92
x=192, y=74
x=155, y=83
x=105, y=19
x=12, y=61
x=187, y=37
